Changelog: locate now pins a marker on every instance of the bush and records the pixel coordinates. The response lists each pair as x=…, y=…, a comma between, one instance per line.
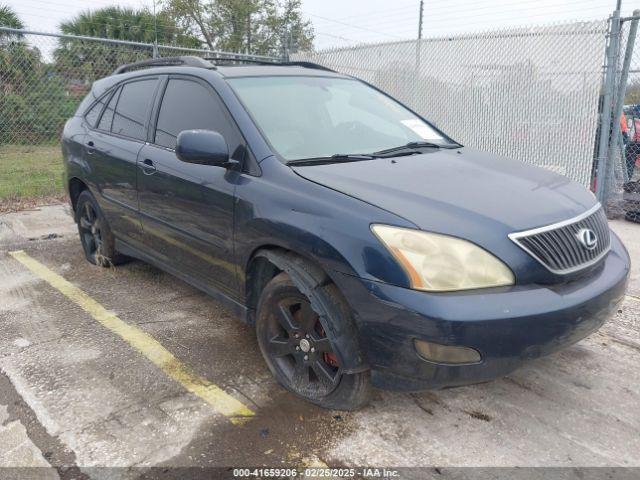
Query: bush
x=34, y=100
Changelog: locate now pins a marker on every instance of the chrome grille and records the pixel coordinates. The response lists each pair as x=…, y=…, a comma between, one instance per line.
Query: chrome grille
x=558, y=246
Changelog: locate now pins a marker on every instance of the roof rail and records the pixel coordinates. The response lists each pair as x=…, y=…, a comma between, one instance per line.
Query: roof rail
x=315, y=66
x=274, y=62
x=219, y=61
x=186, y=60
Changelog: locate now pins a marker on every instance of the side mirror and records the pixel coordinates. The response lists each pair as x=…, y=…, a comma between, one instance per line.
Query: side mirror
x=204, y=147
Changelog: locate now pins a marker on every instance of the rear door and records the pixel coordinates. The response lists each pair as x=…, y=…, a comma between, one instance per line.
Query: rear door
x=112, y=150
x=187, y=209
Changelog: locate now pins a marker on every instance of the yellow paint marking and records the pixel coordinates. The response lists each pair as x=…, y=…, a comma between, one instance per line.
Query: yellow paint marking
x=143, y=342
x=633, y=297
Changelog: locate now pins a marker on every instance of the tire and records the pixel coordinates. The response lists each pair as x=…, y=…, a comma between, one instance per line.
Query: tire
x=289, y=330
x=632, y=216
x=96, y=238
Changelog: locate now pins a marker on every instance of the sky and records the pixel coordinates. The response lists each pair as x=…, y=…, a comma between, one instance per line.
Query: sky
x=349, y=22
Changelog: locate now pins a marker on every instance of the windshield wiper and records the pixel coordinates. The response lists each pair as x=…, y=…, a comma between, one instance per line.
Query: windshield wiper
x=336, y=158
x=409, y=146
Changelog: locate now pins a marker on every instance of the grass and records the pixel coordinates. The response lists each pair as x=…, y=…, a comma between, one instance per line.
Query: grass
x=30, y=175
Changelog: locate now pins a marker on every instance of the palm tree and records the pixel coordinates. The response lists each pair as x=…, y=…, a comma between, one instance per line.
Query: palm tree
x=8, y=18
x=123, y=23
x=85, y=61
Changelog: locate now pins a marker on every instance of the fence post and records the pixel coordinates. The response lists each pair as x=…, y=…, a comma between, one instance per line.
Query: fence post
x=285, y=46
x=622, y=89
x=419, y=40
x=606, y=118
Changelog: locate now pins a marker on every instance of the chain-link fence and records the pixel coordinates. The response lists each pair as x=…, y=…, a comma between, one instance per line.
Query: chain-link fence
x=536, y=94
x=43, y=78
x=528, y=93
x=622, y=192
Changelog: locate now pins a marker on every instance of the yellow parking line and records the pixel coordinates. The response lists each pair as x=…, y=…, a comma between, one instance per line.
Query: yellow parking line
x=633, y=297
x=143, y=342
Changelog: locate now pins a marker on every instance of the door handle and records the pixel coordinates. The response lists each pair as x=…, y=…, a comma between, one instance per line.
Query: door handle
x=90, y=148
x=148, y=168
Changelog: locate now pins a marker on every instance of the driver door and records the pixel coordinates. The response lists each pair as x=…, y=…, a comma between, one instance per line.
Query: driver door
x=187, y=209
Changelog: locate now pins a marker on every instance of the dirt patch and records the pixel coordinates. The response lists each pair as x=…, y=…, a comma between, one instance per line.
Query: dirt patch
x=17, y=204
x=289, y=431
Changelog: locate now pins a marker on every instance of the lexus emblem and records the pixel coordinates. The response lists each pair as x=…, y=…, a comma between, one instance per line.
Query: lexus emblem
x=587, y=238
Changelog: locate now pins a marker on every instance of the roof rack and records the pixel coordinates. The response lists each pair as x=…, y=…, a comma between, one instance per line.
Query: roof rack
x=267, y=62
x=185, y=60
x=315, y=66
x=206, y=62
x=220, y=60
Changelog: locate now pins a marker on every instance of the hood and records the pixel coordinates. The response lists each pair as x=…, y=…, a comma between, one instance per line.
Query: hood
x=463, y=192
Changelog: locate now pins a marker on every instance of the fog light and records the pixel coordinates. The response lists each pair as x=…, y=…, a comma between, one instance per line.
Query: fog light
x=434, y=352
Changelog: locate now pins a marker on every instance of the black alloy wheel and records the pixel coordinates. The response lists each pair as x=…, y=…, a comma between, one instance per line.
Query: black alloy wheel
x=90, y=232
x=296, y=336
x=96, y=238
x=299, y=346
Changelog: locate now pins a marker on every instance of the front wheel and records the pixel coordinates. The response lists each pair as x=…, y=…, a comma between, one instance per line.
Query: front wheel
x=295, y=345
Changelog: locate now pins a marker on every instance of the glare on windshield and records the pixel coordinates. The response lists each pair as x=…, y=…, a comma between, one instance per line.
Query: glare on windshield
x=309, y=117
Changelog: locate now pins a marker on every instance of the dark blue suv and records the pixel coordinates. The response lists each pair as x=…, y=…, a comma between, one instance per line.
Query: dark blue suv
x=367, y=247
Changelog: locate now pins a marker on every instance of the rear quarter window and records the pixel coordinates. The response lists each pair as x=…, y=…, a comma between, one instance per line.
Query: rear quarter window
x=94, y=112
x=107, y=116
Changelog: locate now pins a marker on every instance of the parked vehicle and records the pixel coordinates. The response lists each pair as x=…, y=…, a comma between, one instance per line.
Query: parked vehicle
x=367, y=247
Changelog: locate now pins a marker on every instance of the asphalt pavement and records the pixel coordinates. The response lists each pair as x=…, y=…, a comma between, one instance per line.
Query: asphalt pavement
x=129, y=367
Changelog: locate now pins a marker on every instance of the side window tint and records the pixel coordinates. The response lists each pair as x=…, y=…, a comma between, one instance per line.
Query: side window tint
x=130, y=117
x=189, y=105
x=107, y=116
x=94, y=112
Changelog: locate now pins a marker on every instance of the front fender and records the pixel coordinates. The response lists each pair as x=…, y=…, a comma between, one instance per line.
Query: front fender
x=285, y=210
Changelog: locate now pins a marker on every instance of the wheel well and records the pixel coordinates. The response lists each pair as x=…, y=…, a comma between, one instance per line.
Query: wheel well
x=76, y=187
x=266, y=263
x=259, y=272
x=323, y=294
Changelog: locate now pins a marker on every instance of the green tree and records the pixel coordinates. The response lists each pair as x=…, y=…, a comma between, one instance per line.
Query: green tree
x=84, y=61
x=129, y=24
x=34, y=102
x=264, y=27
x=8, y=18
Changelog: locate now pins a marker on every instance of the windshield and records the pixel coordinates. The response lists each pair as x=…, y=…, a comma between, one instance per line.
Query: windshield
x=311, y=117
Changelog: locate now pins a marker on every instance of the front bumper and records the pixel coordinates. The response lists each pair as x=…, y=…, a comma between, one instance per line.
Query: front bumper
x=507, y=325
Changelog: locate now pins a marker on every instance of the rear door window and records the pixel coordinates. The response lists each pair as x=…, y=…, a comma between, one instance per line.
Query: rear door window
x=187, y=105
x=130, y=117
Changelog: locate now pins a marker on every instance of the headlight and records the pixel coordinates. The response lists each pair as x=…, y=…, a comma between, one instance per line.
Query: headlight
x=440, y=263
